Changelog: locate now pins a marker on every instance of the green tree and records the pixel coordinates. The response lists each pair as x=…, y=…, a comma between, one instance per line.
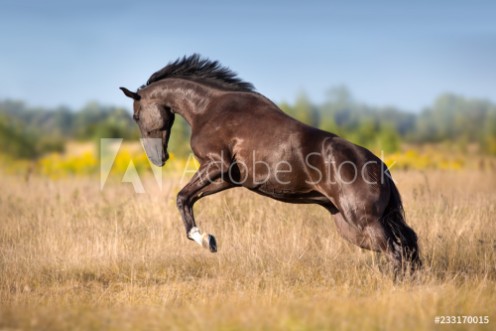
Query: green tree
x=303, y=110
x=388, y=139
x=488, y=139
x=15, y=141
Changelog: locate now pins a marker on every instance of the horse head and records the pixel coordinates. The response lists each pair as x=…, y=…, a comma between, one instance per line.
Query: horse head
x=155, y=123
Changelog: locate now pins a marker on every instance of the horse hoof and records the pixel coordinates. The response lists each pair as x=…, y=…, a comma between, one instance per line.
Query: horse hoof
x=210, y=243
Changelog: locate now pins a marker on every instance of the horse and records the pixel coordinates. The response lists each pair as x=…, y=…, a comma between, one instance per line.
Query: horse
x=242, y=139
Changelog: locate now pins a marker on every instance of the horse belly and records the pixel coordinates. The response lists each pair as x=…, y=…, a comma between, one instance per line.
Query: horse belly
x=281, y=177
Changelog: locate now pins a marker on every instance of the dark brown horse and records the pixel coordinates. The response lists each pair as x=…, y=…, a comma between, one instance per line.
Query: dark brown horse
x=241, y=138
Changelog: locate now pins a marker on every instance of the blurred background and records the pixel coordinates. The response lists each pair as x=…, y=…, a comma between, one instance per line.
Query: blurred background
x=414, y=81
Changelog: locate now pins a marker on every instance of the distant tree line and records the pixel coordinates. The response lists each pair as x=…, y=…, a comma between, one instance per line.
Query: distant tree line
x=451, y=119
x=27, y=132
x=30, y=132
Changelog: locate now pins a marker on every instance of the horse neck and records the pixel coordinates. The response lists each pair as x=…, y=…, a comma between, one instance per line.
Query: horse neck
x=186, y=98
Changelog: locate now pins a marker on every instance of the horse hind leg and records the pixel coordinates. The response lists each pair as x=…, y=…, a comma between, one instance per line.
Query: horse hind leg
x=395, y=239
x=370, y=236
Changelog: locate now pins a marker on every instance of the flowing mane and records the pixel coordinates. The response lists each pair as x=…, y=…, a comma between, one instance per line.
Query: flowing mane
x=199, y=69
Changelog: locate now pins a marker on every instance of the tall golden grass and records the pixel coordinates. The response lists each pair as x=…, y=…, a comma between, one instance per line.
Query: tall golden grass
x=73, y=257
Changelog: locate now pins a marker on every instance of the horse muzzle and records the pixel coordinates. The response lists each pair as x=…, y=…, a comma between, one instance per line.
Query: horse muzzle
x=155, y=148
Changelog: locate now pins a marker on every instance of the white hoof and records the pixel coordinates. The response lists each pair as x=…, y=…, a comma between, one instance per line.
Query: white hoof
x=203, y=239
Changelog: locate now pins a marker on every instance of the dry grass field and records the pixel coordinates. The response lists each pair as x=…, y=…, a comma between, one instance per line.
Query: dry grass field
x=73, y=257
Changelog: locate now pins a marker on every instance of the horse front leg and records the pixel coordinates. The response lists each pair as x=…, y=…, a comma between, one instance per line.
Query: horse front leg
x=205, y=182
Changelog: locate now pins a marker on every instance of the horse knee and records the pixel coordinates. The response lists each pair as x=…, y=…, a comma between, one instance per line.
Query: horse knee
x=346, y=230
x=370, y=236
x=181, y=201
x=374, y=237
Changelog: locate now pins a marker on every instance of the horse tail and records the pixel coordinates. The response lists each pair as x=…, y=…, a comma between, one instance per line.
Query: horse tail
x=402, y=240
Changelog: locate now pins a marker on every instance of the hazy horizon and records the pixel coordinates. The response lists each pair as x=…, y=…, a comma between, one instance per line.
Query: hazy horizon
x=387, y=53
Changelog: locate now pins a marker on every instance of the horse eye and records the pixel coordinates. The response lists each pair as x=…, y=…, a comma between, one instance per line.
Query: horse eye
x=136, y=117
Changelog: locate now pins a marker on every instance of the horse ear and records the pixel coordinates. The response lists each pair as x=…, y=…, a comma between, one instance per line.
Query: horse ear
x=132, y=95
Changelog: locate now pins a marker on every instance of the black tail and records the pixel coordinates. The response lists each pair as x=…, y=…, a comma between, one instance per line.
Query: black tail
x=402, y=240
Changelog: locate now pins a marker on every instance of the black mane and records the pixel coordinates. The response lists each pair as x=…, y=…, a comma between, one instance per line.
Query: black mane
x=196, y=68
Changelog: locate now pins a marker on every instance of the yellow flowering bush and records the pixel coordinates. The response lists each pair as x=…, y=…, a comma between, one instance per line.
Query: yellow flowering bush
x=84, y=160
x=412, y=159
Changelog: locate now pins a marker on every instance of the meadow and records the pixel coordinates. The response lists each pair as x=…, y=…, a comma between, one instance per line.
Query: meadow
x=74, y=257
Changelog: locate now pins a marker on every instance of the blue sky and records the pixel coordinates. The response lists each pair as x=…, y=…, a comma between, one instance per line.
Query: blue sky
x=400, y=53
